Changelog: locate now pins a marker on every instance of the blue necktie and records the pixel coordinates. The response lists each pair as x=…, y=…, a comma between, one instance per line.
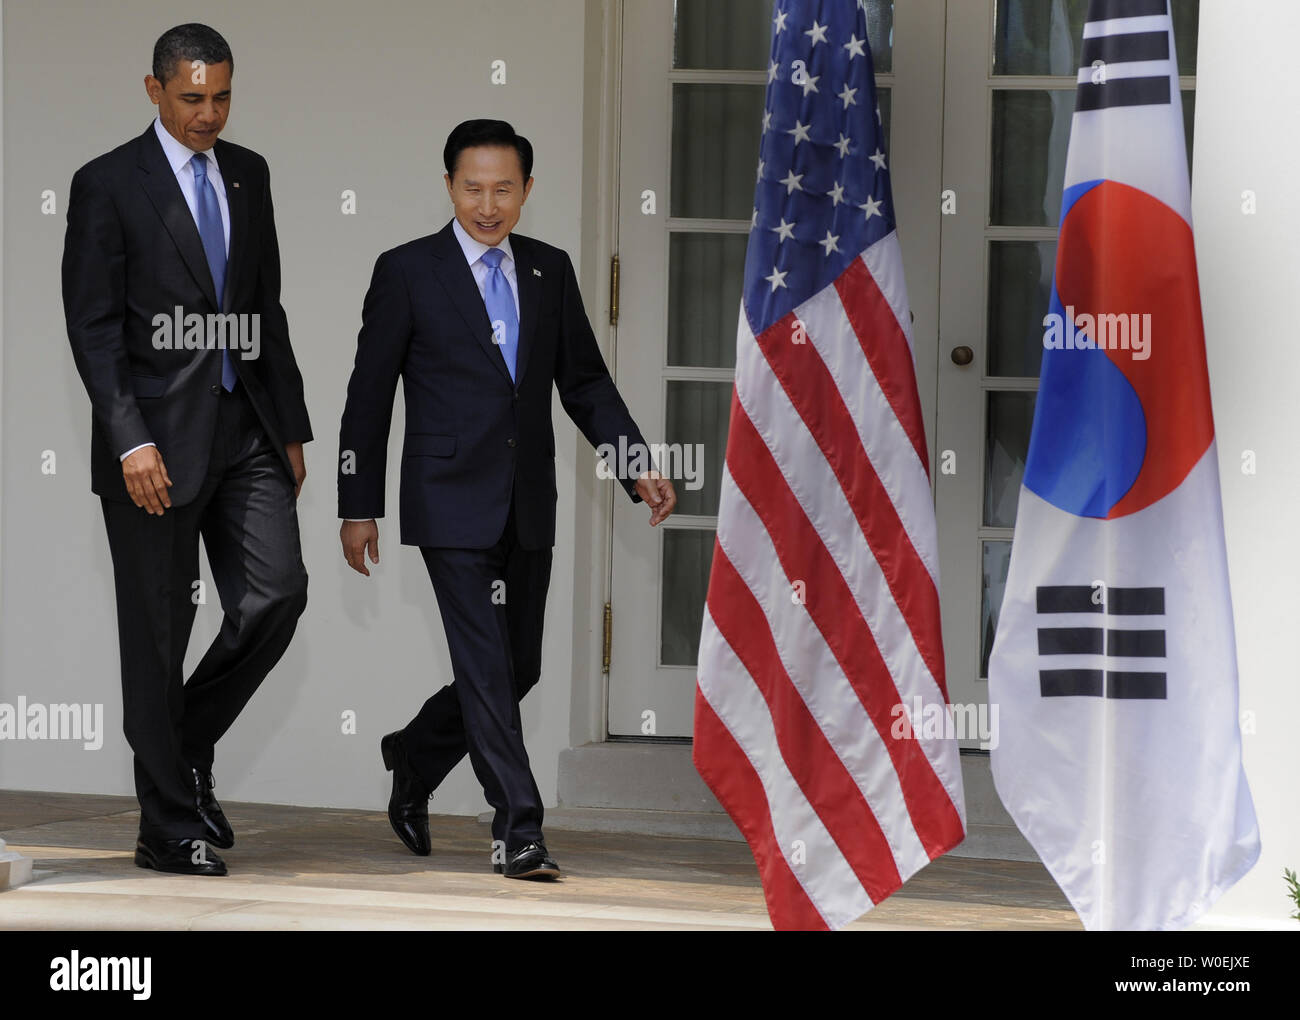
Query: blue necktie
x=500, y=301
x=213, y=236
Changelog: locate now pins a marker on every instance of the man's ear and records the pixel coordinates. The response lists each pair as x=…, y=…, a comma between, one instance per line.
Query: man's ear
x=528, y=186
x=447, y=178
x=153, y=88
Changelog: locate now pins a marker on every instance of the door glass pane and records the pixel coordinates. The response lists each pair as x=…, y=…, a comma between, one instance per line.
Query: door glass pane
x=1031, y=135
x=1020, y=287
x=735, y=35
x=696, y=425
x=1042, y=37
x=997, y=558
x=706, y=278
x=716, y=129
x=688, y=555
x=1010, y=415
x=722, y=35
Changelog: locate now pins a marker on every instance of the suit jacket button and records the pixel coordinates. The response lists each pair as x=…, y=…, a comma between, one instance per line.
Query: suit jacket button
x=214, y=389
x=510, y=442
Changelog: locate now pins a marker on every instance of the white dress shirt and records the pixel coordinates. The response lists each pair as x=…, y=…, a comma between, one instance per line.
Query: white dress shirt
x=474, y=256
x=179, y=156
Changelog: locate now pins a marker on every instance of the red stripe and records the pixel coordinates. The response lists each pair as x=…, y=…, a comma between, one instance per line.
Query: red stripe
x=811, y=388
x=835, y=612
x=886, y=348
x=819, y=771
x=723, y=766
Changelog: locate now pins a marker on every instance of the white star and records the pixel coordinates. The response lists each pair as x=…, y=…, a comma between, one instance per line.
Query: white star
x=829, y=244
x=779, y=21
x=836, y=193
x=753, y=220
x=810, y=83
x=854, y=46
x=773, y=69
x=878, y=158
x=777, y=279
x=843, y=145
x=872, y=207
x=761, y=166
x=878, y=112
x=791, y=181
x=784, y=231
x=800, y=132
x=818, y=33
x=767, y=121
x=847, y=95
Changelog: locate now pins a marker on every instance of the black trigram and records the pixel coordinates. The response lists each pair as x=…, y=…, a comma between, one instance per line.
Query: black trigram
x=1123, y=48
x=1104, y=642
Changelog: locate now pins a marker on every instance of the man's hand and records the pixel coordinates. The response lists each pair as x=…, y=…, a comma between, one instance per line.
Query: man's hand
x=294, y=450
x=147, y=480
x=358, y=538
x=658, y=493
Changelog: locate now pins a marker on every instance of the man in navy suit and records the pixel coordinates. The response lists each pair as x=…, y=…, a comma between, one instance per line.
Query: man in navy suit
x=479, y=324
x=171, y=290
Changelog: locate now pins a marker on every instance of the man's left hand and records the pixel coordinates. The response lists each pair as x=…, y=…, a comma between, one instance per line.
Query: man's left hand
x=658, y=493
x=294, y=450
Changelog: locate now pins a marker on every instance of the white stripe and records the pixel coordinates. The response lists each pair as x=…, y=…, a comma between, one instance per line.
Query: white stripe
x=817, y=676
x=883, y=438
x=815, y=486
x=1128, y=69
x=884, y=261
x=810, y=851
x=1126, y=26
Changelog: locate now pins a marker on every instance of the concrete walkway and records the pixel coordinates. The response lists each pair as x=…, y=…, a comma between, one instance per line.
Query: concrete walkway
x=310, y=868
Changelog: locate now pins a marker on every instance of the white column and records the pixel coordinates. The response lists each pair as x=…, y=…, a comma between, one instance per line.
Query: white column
x=15, y=869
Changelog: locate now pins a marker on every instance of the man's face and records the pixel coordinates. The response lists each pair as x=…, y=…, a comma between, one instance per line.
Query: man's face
x=195, y=102
x=488, y=192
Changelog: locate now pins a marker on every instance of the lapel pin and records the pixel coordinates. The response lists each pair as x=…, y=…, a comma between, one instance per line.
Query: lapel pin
x=234, y=184
x=537, y=272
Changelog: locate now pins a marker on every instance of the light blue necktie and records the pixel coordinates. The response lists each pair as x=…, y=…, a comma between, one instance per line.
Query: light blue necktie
x=500, y=301
x=213, y=236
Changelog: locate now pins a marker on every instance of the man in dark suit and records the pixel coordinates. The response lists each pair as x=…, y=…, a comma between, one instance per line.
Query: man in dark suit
x=479, y=323
x=171, y=290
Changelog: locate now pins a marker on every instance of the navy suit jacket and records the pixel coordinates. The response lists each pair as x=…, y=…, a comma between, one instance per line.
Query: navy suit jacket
x=472, y=434
x=132, y=251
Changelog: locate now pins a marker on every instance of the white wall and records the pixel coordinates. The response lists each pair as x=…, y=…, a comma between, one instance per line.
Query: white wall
x=1247, y=103
x=336, y=96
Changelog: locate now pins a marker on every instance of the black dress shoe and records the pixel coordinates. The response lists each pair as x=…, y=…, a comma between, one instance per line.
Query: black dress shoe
x=408, y=807
x=220, y=834
x=529, y=861
x=178, y=856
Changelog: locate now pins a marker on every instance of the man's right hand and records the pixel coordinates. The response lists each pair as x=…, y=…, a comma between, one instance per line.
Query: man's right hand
x=147, y=480
x=358, y=538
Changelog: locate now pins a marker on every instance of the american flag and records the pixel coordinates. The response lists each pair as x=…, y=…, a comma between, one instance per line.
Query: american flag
x=821, y=627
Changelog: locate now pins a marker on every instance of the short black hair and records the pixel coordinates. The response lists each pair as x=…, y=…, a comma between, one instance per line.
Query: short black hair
x=469, y=134
x=189, y=42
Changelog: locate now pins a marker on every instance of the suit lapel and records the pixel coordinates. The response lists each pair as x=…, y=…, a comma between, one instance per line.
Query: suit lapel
x=530, y=292
x=159, y=183
x=232, y=178
x=457, y=280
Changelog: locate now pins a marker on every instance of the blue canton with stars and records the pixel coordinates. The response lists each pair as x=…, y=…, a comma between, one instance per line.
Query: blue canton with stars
x=823, y=193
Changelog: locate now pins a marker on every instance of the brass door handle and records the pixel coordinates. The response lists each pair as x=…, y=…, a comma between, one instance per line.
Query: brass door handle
x=962, y=355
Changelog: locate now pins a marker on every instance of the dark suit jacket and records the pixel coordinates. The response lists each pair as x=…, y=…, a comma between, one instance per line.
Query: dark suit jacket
x=471, y=432
x=132, y=251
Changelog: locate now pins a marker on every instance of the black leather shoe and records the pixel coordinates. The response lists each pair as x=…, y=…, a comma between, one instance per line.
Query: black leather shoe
x=220, y=834
x=178, y=856
x=408, y=807
x=529, y=861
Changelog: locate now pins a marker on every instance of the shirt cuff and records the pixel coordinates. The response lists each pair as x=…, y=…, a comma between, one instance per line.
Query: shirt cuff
x=133, y=449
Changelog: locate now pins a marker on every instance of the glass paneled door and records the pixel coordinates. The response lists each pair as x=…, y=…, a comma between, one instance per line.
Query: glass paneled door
x=1010, y=75
x=694, y=75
